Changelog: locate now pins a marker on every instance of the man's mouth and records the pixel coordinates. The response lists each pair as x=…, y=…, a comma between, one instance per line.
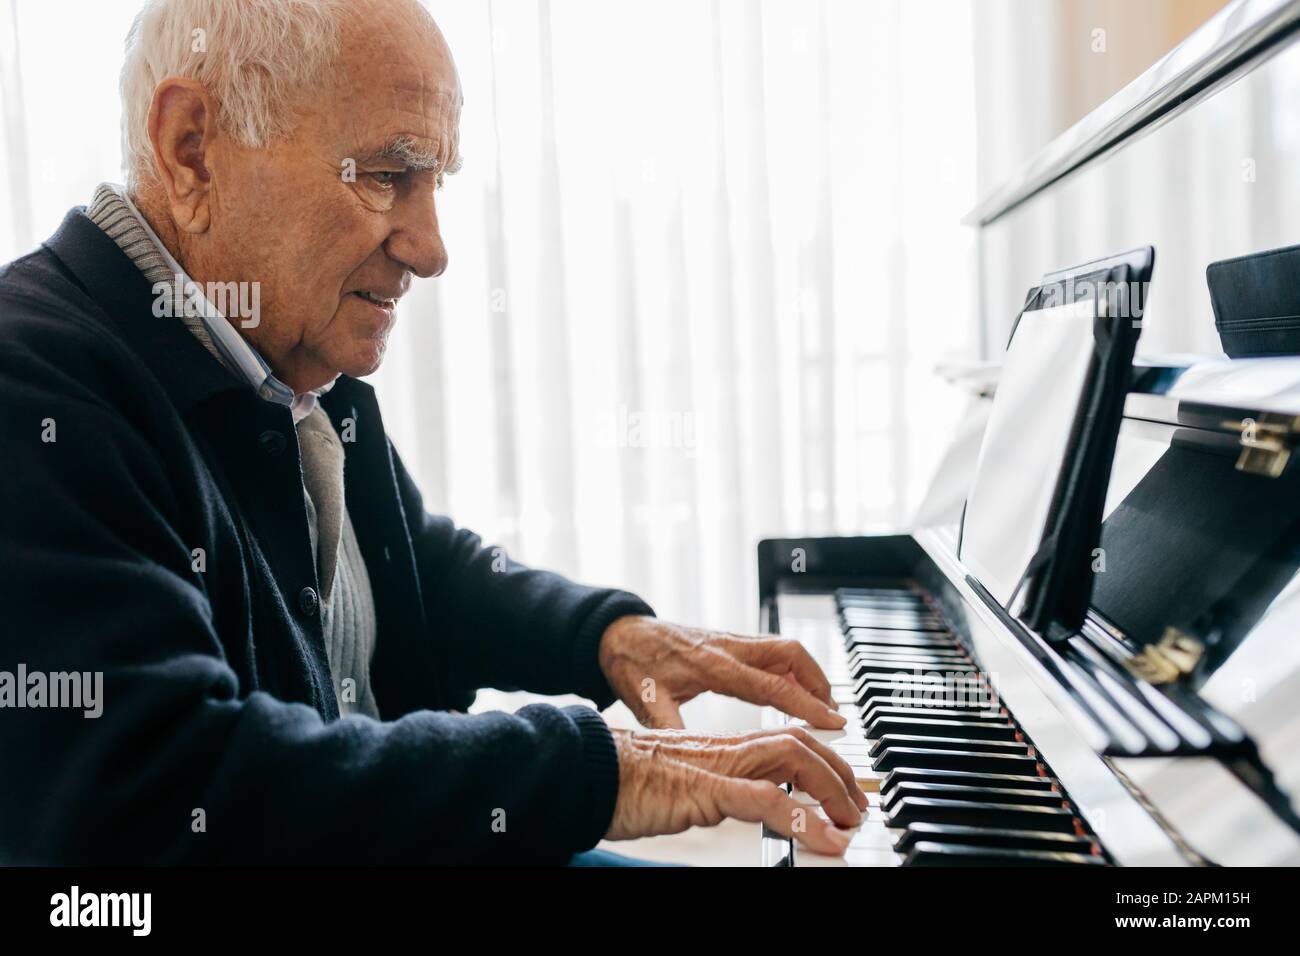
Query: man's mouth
x=376, y=299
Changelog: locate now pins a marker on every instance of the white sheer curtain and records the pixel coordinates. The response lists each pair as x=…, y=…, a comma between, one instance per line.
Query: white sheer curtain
x=704, y=258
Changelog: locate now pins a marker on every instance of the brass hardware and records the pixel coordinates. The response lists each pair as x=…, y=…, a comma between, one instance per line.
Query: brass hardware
x=1173, y=657
x=1265, y=442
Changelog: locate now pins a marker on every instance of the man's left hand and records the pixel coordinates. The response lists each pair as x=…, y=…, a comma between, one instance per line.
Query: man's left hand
x=654, y=667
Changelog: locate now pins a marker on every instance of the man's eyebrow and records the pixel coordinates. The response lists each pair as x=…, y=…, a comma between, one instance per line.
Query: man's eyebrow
x=416, y=155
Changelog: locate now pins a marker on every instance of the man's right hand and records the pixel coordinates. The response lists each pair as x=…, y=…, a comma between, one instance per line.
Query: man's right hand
x=670, y=781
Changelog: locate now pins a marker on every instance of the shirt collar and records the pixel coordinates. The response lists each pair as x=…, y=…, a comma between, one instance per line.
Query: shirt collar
x=237, y=352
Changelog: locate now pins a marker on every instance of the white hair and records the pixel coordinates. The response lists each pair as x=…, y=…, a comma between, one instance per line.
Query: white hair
x=253, y=57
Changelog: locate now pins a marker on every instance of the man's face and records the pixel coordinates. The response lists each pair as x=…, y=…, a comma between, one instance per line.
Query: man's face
x=343, y=213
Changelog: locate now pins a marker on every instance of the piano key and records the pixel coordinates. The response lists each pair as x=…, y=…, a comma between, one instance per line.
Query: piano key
x=915, y=673
x=870, y=604
x=922, y=707
x=1008, y=816
x=850, y=747
x=893, y=620
x=886, y=649
x=902, y=662
x=994, y=837
x=946, y=854
x=952, y=791
x=883, y=725
x=884, y=644
x=895, y=626
x=863, y=637
x=925, y=658
x=843, y=695
x=907, y=660
x=938, y=693
x=978, y=761
x=908, y=599
x=870, y=591
x=869, y=836
x=913, y=741
x=903, y=775
x=907, y=707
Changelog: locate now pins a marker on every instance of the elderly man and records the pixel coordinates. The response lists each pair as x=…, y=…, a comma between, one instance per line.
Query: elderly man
x=201, y=505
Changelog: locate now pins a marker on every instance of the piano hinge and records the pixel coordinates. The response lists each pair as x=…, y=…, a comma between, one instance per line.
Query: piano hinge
x=1173, y=657
x=1265, y=442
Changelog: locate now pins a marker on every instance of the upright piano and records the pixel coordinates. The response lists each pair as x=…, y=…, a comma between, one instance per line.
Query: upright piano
x=1165, y=729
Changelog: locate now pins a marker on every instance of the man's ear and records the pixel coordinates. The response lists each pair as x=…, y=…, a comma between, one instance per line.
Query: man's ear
x=183, y=129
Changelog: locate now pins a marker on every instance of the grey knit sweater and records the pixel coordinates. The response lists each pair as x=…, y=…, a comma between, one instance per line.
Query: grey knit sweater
x=347, y=604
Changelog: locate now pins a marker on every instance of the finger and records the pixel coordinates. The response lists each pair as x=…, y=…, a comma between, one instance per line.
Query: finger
x=758, y=801
x=779, y=758
x=771, y=690
x=784, y=759
x=833, y=760
x=662, y=713
x=782, y=655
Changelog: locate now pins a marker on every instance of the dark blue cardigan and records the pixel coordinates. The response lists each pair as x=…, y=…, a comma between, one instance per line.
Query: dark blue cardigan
x=217, y=692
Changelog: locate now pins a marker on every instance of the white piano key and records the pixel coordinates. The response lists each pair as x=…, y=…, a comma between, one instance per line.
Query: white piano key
x=871, y=843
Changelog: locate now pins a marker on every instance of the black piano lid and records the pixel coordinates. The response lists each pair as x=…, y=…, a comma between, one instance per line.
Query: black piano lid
x=1199, y=543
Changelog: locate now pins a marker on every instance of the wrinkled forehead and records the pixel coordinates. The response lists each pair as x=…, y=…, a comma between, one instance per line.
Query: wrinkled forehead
x=396, y=77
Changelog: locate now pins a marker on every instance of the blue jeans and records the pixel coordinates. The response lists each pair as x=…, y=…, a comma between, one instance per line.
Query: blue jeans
x=605, y=858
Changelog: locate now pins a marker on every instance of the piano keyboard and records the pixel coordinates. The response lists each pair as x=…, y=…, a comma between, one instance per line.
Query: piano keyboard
x=950, y=776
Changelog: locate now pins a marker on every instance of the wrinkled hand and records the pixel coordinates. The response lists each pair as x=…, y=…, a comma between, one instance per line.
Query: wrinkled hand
x=654, y=667
x=670, y=781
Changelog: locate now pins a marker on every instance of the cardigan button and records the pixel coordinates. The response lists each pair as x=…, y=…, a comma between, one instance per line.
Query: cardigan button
x=308, y=602
x=272, y=442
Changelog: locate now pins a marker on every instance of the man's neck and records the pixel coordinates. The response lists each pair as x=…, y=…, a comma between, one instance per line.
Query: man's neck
x=286, y=368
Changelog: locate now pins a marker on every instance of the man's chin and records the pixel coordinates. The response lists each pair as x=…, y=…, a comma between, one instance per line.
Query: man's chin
x=365, y=358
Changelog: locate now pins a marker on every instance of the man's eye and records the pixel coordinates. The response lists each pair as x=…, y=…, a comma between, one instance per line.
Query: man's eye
x=385, y=180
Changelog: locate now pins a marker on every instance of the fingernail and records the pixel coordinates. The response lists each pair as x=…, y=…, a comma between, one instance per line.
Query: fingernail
x=840, y=839
x=836, y=717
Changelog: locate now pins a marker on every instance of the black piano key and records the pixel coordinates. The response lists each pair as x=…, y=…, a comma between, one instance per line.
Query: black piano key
x=985, y=836
x=913, y=673
x=870, y=591
x=910, y=662
x=918, y=655
x=850, y=597
x=925, y=657
x=952, y=791
x=902, y=615
x=856, y=669
x=947, y=729
x=1007, y=816
x=976, y=761
x=875, y=641
x=882, y=652
x=860, y=637
x=896, y=626
x=939, y=694
x=927, y=707
x=923, y=712
x=913, y=741
x=926, y=853
x=888, y=603
x=1012, y=781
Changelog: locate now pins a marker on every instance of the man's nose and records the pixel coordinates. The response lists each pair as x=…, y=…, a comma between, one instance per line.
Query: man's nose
x=416, y=242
